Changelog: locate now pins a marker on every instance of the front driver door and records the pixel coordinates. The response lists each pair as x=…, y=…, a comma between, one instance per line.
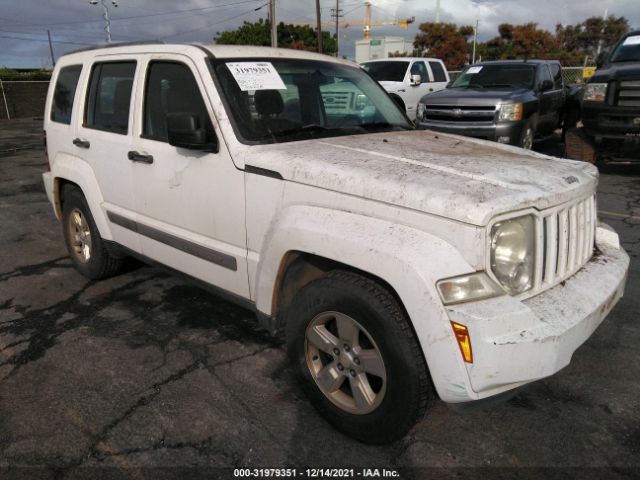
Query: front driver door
x=190, y=203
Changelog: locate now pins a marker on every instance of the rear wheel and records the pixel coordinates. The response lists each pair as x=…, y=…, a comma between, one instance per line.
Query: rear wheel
x=86, y=248
x=351, y=345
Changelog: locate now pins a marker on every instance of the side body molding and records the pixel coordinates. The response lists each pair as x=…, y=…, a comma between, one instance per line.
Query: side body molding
x=410, y=260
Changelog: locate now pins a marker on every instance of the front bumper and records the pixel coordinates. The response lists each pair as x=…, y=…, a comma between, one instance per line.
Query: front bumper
x=602, y=120
x=487, y=131
x=519, y=341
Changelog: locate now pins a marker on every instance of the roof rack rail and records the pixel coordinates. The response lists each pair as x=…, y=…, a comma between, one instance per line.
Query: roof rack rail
x=115, y=45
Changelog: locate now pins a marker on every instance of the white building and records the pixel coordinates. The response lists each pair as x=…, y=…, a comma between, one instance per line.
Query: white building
x=381, y=47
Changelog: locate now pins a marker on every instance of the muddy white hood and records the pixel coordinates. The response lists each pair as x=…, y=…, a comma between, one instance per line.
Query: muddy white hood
x=446, y=175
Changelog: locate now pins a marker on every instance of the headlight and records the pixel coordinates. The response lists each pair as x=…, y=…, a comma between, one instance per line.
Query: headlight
x=510, y=112
x=474, y=286
x=595, y=92
x=513, y=253
x=420, y=111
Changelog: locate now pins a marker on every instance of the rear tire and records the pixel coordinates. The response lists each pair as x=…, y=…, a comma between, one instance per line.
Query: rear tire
x=368, y=378
x=84, y=243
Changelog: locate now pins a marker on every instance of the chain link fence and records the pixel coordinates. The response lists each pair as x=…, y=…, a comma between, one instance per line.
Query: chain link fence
x=22, y=99
x=569, y=74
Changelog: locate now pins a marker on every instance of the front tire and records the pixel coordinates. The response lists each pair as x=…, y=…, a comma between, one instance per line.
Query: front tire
x=351, y=345
x=84, y=243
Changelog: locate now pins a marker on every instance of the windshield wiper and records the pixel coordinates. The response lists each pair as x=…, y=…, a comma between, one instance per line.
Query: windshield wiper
x=509, y=85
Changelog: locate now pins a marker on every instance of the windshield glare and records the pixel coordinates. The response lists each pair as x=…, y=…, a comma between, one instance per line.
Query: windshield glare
x=488, y=76
x=628, y=50
x=321, y=99
x=387, y=71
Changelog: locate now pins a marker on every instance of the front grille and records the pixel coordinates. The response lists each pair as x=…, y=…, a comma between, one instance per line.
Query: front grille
x=567, y=240
x=455, y=113
x=628, y=93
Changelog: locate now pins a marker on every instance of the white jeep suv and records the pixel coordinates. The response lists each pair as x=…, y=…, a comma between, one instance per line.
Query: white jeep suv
x=400, y=263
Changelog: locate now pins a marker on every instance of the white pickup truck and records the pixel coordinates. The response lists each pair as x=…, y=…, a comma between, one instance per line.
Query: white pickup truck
x=408, y=79
x=400, y=263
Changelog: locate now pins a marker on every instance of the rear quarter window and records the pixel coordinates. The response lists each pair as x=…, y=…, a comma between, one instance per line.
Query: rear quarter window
x=64, y=94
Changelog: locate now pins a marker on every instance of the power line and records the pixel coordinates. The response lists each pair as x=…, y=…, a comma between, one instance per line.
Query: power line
x=148, y=15
x=215, y=23
x=44, y=40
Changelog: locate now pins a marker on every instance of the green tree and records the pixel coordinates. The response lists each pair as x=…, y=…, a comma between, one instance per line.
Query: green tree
x=582, y=39
x=299, y=37
x=445, y=41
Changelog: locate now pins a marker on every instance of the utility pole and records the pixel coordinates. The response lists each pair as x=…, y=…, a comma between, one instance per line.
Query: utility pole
x=105, y=15
x=53, y=58
x=437, y=11
x=319, y=27
x=274, y=25
x=475, y=40
x=604, y=18
x=337, y=13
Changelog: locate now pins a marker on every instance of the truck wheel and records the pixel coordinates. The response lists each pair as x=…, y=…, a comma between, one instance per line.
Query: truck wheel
x=351, y=345
x=578, y=146
x=526, y=137
x=85, y=246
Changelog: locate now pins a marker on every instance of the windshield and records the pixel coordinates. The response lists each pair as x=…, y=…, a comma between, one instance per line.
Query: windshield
x=280, y=100
x=627, y=51
x=499, y=75
x=386, y=71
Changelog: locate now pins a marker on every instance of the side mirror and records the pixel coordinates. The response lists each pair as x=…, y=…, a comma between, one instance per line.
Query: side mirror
x=415, y=80
x=602, y=58
x=184, y=131
x=546, y=85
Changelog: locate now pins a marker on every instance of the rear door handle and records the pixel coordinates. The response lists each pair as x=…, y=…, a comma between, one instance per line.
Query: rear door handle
x=139, y=157
x=78, y=142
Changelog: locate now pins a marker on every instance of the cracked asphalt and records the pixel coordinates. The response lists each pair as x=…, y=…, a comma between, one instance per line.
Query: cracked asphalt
x=145, y=376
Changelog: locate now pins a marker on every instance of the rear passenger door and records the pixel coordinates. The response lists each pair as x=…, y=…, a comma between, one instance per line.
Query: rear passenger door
x=103, y=139
x=189, y=203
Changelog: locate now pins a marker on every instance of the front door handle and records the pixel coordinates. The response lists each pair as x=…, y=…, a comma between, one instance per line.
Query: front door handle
x=140, y=157
x=78, y=142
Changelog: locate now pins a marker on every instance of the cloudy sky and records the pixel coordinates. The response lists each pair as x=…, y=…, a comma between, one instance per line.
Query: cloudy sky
x=75, y=23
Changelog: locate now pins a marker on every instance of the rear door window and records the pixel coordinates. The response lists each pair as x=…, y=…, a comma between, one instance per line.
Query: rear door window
x=109, y=97
x=64, y=93
x=438, y=72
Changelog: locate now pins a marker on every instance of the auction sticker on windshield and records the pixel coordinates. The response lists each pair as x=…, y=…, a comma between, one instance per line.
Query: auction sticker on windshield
x=474, y=70
x=256, y=76
x=633, y=40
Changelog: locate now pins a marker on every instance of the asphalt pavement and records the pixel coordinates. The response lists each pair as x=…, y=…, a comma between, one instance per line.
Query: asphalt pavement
x=145, y=376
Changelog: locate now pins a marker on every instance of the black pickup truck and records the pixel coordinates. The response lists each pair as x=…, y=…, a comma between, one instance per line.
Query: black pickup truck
x=507, y=101
x=610, y=108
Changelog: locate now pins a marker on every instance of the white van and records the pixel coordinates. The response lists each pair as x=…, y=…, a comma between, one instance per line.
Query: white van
x=408, y=79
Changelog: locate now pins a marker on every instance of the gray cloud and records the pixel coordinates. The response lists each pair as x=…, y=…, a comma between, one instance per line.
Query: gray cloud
x=75, y=23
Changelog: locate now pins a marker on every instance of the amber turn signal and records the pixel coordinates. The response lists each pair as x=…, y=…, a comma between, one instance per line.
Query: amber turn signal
x=464, y=341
